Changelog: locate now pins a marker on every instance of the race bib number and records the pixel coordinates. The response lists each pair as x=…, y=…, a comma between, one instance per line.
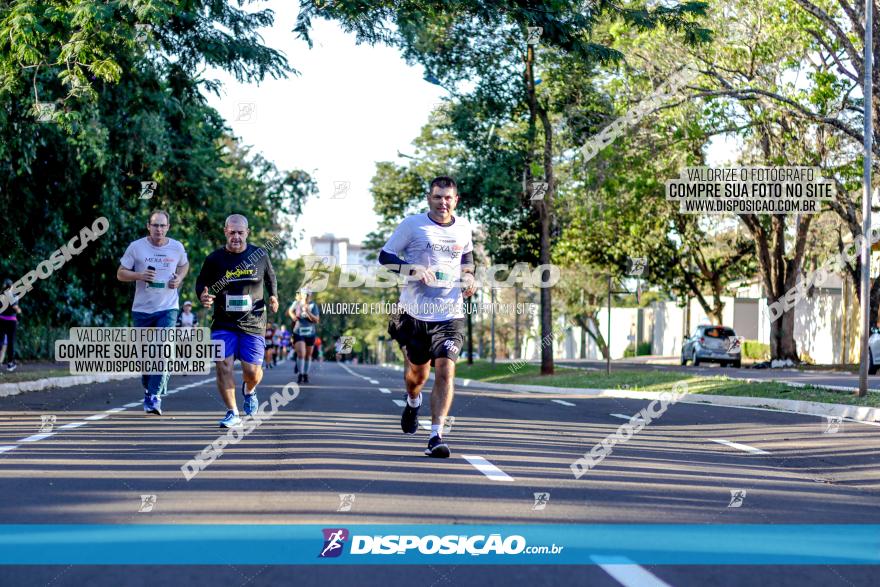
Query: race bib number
x=444, y=278
x=156, y=285
x=239, y=303
x=306, y=330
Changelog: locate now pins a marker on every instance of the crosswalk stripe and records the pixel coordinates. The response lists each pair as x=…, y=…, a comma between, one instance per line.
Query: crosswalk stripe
x=487, y=468
x=625, y=417
x=627, y=573
x=738, y=446
x=72, y=425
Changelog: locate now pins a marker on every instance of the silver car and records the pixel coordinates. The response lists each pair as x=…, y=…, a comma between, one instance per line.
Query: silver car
x=714, y=344
x=874, y=350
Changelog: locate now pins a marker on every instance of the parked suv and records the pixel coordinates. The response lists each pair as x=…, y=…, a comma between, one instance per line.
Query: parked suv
x=715, y=344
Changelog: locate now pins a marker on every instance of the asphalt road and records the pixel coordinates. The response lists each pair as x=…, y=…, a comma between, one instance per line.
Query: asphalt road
x=341, y=435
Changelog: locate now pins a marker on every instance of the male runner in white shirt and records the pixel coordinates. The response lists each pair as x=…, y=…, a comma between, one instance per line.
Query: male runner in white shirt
x=435, y=251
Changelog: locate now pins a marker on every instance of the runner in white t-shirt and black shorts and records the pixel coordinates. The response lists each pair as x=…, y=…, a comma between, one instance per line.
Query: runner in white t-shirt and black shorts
x=435, y=252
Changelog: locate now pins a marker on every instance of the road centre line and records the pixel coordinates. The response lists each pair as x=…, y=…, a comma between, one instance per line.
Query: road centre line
x=738, y=446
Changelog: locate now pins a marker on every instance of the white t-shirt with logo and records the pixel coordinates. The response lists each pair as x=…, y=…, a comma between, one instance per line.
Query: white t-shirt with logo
x=418, y=240
x=157, y=295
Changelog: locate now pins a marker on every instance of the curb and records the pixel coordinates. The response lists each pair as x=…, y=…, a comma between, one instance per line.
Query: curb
x=819, y=409
x=8, y=389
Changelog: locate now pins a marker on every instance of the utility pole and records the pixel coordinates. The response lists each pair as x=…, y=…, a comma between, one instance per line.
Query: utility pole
x=492, y=300
x=866, y=199
x=516, y=321
x=470, y=331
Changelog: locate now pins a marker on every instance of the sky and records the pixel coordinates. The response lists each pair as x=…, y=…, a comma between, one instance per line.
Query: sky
x=350, y=107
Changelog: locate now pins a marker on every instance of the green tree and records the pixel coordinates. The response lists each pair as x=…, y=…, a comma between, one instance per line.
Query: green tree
x=128, y=108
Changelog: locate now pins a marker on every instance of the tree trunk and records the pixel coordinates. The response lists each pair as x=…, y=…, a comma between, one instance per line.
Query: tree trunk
x=546, y=308
x=543, y=206
x=779, y=275
x=595, y=334
x=782, y=343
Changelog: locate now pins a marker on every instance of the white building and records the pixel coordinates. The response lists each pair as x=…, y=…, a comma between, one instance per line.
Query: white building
x=342, y=249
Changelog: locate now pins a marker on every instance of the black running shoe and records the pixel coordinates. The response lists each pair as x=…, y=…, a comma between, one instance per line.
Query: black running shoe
x=299, y=378
x=305, y=377
x=437, y=448
x=409, y=421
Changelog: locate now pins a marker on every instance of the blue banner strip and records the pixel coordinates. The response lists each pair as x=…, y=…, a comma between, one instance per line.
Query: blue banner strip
x=651, y=544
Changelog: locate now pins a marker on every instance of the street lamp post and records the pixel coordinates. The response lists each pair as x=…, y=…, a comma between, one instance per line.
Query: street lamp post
x=865, y=297
x=492, y=300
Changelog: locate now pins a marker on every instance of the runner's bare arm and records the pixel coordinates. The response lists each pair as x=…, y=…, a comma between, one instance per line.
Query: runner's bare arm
x=313, y=317
x=178, y=276
x=467, y=274
x=123, y=274
x=206, y=274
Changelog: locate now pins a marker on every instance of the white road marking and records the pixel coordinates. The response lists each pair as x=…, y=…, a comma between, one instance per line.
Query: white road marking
x=133, y=404
x=563, y=402
x=72, y=425
x=115, y=410
x=96, y=417
x=384, y=390
x=373, y=381
x=350, y=372
x=487, y=468
x=7, y=448
x=37, y=437
x=400, y=403
x=426, y=424
x=739, y=446
x=627, y=573
x=625, y=417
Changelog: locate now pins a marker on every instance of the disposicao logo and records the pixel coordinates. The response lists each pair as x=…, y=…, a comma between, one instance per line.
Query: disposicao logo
x=334, y=539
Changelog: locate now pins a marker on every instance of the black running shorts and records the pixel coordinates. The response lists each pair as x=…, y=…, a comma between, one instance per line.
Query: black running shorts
x=309, y=340
x=424, y=341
